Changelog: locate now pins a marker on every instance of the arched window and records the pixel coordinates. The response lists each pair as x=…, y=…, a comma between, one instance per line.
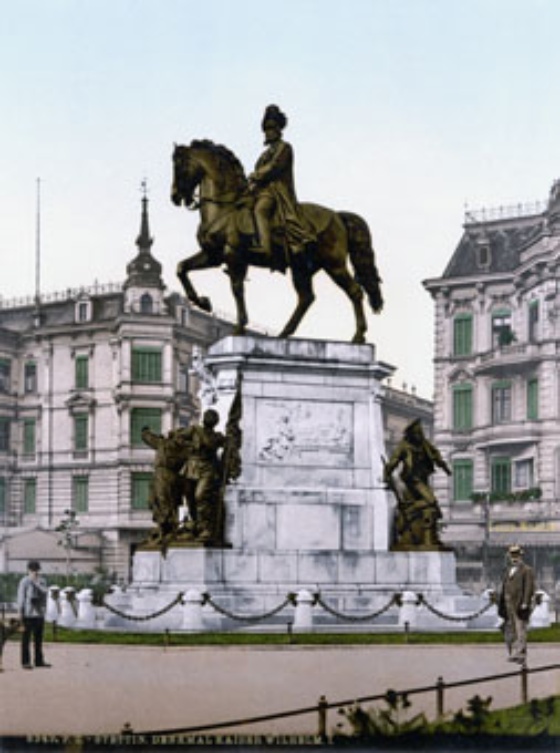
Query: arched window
x=146, y=304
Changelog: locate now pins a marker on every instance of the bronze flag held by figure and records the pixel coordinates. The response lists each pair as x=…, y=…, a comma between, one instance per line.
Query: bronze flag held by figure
x=260, y=222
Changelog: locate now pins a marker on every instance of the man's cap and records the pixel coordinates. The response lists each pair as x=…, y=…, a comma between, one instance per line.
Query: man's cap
x=515, y=549
x=34, y=565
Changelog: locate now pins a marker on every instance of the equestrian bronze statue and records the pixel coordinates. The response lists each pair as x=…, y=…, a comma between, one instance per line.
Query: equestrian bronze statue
x=258, y=222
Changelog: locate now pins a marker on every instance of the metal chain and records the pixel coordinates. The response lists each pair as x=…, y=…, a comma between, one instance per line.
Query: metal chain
x=207, y=599
x=146, y=617
x=396, y=599
x=452, y=618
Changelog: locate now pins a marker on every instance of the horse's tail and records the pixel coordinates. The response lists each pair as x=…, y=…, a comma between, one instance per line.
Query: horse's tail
x=362, y=256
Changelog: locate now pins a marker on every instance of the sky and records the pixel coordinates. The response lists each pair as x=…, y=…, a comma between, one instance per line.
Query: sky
x=404, y=111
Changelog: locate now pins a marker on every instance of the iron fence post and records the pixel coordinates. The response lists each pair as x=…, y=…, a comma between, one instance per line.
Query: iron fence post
x=440, y=687
x=322, y=709
x=524, y=684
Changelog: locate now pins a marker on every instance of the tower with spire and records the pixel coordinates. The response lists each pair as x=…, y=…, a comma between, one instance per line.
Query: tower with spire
x=144, y=287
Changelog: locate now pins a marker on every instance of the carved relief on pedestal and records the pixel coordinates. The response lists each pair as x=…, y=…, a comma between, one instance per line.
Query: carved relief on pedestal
x=303, y=432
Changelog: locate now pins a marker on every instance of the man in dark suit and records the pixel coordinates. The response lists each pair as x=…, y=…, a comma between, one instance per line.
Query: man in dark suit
x=515, y=603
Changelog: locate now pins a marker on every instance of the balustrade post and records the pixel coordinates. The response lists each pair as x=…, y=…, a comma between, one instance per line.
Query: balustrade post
x=303, y=616
x=67, y=615
x=86, y=610
x=192, y=611
x=408, y=612
x=53, y=604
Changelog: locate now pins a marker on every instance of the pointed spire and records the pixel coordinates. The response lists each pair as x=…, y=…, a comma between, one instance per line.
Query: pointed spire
x=144, y=241
x=144, y=270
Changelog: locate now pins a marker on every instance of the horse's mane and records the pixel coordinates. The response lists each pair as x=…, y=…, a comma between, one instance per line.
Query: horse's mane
x=225, y=154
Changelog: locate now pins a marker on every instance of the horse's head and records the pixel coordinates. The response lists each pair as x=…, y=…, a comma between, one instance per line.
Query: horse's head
x=186, y=176
x=215, y=164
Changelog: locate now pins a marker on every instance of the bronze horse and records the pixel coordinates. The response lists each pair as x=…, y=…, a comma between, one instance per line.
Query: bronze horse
x=226, y=235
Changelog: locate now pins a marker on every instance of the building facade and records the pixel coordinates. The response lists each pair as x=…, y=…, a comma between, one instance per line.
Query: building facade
x=497, y=386
x=80, y=374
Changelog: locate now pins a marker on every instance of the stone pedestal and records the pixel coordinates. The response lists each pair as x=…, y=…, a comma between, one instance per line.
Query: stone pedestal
x=310, y=510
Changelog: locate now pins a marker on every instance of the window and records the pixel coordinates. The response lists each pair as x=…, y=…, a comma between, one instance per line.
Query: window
x=146, y=304
x=146, y=365
x=81, y=368
x=29, y=436
x=4, y=434
x=3, y=506
x=5, y=372
x=501, y=477
x=501, y=402
x=533, y=333
x=502, y=333
x=80, y=493
x=81, y=432
x=83, y=311
x=140, y=417
x=462, y=407
x=462, y=335
x=462, y=479
x=140, y=490
x=30, y=377
x=533, y=399
x=29, y=496
x=524, y=474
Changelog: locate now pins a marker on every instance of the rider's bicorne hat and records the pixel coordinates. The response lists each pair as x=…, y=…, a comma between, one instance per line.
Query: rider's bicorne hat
x=274, y=115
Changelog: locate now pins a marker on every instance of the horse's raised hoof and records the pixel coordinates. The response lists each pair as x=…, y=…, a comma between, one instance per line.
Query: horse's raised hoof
x=205, y=304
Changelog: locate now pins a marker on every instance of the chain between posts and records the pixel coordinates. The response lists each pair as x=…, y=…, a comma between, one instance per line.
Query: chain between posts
x=395, y=599
x=290, y=599
x=146, y=617
x=453, y=618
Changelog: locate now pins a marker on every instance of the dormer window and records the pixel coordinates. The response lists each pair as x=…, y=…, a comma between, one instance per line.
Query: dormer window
x=83, y=311
x=483, y=255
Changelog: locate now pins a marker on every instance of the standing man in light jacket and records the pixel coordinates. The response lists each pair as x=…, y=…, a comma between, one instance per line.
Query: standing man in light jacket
x=516, y=602
x=32, y=603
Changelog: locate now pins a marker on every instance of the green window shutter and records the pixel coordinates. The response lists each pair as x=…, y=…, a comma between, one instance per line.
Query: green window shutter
x=462, y=335
x=29, y=496
x=29, y=436
x=533, y=399
x=146, y=365
x=462, y=479
x=140, y=490
x=81, y=365
x=501, y=476
x=80, y=493
x=140, y=417
x=462, y=407
x=81, y=432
